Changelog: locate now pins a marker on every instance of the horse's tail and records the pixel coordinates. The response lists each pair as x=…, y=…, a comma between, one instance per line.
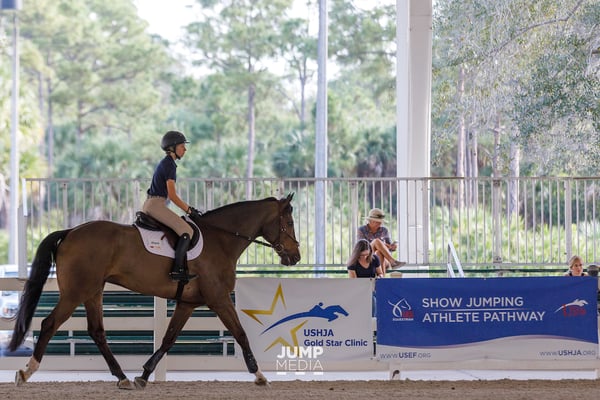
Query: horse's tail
x=40, y=269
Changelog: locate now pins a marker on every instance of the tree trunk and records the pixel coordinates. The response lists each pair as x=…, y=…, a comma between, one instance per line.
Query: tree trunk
x=251, y=139
x=303, y=80
x=461, y=143
x=50, y=128
x=515, y=171
x=79, y=123
x=473, y=167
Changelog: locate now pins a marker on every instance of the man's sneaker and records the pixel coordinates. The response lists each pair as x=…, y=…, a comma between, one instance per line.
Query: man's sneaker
x=397, y=264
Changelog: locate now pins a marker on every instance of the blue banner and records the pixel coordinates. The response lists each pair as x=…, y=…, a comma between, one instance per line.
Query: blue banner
x=525, y=317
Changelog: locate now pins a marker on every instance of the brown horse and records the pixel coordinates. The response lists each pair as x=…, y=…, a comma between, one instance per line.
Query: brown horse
x=97, y=252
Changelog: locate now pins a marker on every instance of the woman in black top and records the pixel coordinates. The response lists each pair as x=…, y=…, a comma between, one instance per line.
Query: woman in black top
x=363, y=263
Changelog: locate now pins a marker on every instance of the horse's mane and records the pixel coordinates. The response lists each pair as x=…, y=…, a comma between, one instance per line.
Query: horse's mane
x=226, y=207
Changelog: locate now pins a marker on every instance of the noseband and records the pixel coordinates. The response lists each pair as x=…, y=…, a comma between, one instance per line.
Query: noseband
x=277, y=246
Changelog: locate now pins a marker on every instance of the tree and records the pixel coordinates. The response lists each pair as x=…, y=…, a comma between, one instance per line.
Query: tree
x=299, y=49
x=29, y=129
x=557, y=107
x=92, y=65
x=362, y=97
x=238, y=39
x=508, y=52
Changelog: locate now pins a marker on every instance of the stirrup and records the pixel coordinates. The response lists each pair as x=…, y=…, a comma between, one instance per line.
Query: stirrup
x=181, y=276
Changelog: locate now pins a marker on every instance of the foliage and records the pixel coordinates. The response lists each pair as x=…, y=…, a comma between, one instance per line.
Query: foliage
x=103, y=157
x=3, y=246
x=92, y=74
x=238, y=39
x=526, y=80
x=557, y=107
x=90, y=62
x=296, y=157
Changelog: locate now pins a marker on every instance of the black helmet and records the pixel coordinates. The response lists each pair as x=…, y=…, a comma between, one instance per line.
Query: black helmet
x=172, y=139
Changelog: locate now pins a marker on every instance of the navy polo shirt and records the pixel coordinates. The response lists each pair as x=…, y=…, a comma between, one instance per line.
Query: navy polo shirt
x=165, y=170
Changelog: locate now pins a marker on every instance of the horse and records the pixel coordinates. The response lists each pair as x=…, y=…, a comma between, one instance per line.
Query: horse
x=82, y=272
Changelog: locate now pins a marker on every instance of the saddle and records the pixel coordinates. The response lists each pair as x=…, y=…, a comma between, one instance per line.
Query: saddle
x=145, y=221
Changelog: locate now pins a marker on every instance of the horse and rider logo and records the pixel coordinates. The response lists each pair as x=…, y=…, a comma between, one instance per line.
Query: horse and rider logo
x=402, y=310
x=329, y=313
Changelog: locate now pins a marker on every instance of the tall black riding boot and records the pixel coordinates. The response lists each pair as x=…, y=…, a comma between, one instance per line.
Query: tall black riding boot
x=179, y=271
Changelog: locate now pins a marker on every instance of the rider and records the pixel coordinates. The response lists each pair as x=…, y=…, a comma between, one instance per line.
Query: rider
x=161, y=191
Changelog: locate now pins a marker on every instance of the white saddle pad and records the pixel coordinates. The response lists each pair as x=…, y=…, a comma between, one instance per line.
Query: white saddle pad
x=156, y=243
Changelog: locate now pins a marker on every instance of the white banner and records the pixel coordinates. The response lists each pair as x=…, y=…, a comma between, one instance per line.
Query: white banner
x=303, y=323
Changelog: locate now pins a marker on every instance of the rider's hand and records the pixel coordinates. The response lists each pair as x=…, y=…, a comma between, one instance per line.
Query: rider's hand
x=193, y=212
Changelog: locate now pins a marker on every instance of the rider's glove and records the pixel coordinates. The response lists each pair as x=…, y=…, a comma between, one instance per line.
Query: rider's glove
x=193, y=212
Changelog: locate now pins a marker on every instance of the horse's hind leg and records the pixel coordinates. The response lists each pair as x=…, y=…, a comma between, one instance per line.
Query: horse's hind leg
x=93, y=309
x=61, y=312
x=181, y=314
x=226, y=312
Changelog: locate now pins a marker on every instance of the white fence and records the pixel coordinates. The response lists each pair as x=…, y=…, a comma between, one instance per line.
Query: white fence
x=494, y=223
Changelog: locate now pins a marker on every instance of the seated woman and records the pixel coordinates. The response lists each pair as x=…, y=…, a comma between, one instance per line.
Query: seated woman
x=363, y=263
x=575, y=267
x=379, y=238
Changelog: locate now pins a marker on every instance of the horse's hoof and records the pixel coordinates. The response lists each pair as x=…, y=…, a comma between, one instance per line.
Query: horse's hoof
x=20, y=377
x=126, y=384
x=140, y=383
x=262, y=382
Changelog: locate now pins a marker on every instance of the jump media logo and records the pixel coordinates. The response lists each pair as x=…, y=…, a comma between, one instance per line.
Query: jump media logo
x=299, y=360
x=296, y=356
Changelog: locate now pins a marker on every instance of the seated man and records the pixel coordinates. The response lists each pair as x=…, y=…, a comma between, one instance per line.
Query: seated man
x=592, y=270
x=379, y=237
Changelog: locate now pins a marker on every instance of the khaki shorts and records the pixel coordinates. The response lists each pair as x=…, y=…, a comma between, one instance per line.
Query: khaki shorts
x=156, y=207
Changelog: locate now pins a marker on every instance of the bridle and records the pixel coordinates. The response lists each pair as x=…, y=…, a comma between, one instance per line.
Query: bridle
x=276, y=245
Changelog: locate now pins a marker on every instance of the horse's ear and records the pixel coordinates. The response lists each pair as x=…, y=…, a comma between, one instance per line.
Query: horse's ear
x=290, y=197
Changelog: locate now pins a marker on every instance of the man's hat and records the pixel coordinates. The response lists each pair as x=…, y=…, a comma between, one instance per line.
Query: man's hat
x=376, y=215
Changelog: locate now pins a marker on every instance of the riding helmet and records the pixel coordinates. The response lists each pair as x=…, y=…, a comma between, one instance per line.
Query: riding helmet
x=172, y=139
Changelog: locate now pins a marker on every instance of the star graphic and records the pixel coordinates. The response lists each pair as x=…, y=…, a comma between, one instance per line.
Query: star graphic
x=278, y=297
x=293, y=335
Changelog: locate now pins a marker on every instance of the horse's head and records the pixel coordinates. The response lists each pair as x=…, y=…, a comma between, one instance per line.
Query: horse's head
x=280, y=233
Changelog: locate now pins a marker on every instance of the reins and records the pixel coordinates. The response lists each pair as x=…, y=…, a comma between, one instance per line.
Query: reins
x=248, y=238
x=242, y=236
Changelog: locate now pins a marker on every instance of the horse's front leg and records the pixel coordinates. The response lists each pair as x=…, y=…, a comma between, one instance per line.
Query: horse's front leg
x=225, y=310
x=180, y=316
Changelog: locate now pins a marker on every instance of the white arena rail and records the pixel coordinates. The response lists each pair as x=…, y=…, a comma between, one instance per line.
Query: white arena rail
x=158, y=324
